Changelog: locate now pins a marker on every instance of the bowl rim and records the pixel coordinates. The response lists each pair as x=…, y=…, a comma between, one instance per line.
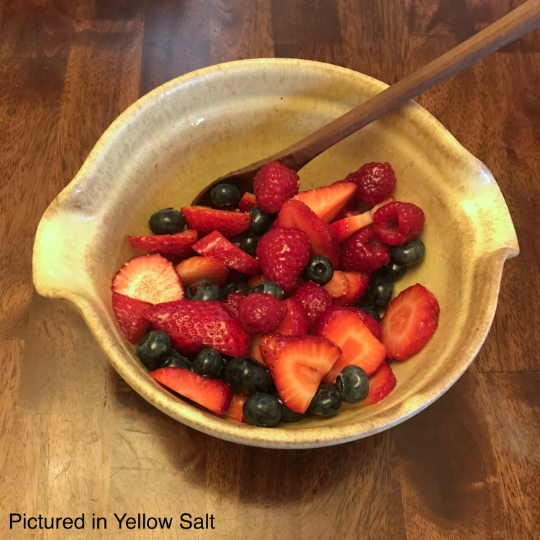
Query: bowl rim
x=206, y=422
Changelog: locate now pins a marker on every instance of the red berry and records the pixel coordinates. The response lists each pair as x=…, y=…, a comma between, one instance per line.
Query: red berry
x=274, y=184
x=380, y=385
x=357, y=284
x=262, y=313
x=178, y=244
x=364, y=252
x=374, y=181
x=130, y=316
x=295, y=322
x=328, y=201
x=235, y=410
x=398, y=222
x=206, y=220
x=234, y=299
x=247, y=201
x=195, y=268
x=314, y=299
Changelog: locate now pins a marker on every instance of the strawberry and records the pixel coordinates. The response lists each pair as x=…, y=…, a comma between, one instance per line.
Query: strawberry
x=338, y=285
x=247, y=201
x=149, y=278
x=234, y=299
x=253, y=280
x=380, y=385
x=273, y=185
x=298, y=365
x=346, y=212
x=130, y=316
x=357, y=286
x=358, y=345
x=205, y=220
x=212, y=394
x=349, y=225
x=254, y=349
x=178, y=245
x=195, y=268
x=327, y=202
x=409, y=322
x=322, y=237
x=372, y=325
x=314, y=299
x=215, y=245
x=235, y=410
x=295, y=322
x=194, y=325
x=283, y=254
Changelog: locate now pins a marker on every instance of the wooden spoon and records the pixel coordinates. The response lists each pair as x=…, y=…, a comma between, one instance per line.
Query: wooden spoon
x=517, y=23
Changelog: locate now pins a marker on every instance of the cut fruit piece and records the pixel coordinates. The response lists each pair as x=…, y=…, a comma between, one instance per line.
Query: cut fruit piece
x=377, y=206
x=328, y=201
x=196, y=268
x=295, y=322
x=380, y=385
x=358, y=345
x=357, y=286
x=322, y=237
x=254, y=350
x=205, y=220
x=178, y=245
x=338, y=285
x=349, y=225
x=130, y=316
x=298, y=365
x=247, y=201
x=410, y=320
x=149, y=278
x=236, y=408
x=252, y=281
x=213, y=394
x=216, y=245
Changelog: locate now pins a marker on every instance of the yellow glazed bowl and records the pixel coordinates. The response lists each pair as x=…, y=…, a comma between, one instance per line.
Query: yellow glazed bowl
x=174, y=141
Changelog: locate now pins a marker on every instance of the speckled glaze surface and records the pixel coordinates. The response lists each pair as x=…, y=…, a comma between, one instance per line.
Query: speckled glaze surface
x=171, y=143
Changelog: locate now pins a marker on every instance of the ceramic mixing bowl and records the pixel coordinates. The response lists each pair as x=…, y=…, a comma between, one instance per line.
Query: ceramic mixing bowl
x=174, y=141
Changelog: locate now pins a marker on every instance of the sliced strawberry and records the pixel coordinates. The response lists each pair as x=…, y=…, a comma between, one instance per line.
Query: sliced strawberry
x=215, y=245
x=298, y=365
x=346, y=212
x=178, y=245
x=130, y=316
x=234, y=299
x=338, y=285
x=409, y=322
x=296, y=321
x=213, y=394
x=252, y=281
x=322, y=237
x=380, y=385
x=359, y=346
x=149, y=278
x=357, y=286
x=327, y=202
x=349, y=225
x=254, y=349
x=377, y=206
x=194, y=325
x=205, y=220
x=247, y=201
x=236, y=408
x=195, y=268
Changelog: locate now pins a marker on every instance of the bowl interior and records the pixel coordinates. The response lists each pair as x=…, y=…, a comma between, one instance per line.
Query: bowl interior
x=182, y=136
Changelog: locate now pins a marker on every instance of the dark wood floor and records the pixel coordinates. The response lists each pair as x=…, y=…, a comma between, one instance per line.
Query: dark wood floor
x=74, y=438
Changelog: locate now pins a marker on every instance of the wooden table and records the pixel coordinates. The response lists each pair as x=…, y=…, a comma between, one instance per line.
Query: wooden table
x=75, y=439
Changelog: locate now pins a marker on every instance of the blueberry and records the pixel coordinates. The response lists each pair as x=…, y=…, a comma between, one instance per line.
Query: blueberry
x=224, y=195
x=326, y=401
x=260, y=222
x=167, y=221
x=379, y=293
x=287, y=415
x=409, y=253
x=393, y=271
x=262, y=410
x=205, y=290
x=370, y=310
x=248, y=243
x=352, y=384
x=174, y=359
x=319, y=269
x=235, y=287
x=268, y=287
x=246, y=374
x=153, y=349
x=208, y=363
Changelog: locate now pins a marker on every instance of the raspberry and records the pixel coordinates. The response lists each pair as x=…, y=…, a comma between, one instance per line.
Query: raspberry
x=375, y=181
x=315, y=300
x=262, y=313
x=398, y=222
x=234, y=299
x=274, y=184
x=364, y=252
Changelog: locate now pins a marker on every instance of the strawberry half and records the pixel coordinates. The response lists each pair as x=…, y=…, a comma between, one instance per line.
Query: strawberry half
x=357, y=284
x=247, y=201
x=195, y=268
x=295, y=322
x=410, y=320
x=358, y=345
x=338, y=285
x=380, y=385
x=213, y=394
x=327, y=202
x=236, y=408
x=349, y=225
x=194, y=325
x=298, y=365
x=130, y=316
x=149, y=278
x=254, y=349
x=205, y=220
x=178, y=245
x=215, y=245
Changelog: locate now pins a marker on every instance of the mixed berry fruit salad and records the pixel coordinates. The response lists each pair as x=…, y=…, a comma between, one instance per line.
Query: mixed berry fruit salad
x=267, y=307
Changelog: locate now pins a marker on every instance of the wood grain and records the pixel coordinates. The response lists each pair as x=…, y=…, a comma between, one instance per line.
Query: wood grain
x=75, y=438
